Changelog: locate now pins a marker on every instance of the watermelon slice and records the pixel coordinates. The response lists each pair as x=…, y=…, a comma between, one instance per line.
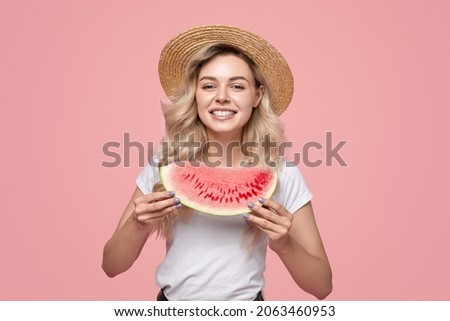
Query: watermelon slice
x=222, y=191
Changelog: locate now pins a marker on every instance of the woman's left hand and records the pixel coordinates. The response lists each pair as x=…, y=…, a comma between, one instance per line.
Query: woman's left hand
x=296, y=240
x=273, y=219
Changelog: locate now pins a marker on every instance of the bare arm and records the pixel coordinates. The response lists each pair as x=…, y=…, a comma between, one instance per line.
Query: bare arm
x=296, y=240
x=304, y=255
x=134, y=228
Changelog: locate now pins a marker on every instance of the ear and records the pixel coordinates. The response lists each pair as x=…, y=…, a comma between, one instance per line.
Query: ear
x=258, y=96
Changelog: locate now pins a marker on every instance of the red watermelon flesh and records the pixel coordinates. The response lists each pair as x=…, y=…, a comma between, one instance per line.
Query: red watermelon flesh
x=222, y=191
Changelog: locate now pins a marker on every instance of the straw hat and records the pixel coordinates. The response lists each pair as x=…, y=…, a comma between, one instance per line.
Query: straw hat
x=175, y=55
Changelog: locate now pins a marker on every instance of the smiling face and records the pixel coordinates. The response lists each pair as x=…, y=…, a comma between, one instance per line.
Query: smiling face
x=226, y=95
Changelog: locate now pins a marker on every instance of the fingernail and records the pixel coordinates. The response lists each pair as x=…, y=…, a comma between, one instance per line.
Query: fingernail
x=176, y=200
x=261, y=200
x=246, y=215
x=178, y=205
x=171, y=193
x=251, y=205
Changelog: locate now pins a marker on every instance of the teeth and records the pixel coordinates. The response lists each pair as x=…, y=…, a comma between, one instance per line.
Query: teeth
x=223, y=112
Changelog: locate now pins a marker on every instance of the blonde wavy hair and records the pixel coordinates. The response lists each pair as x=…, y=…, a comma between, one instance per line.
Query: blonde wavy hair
x=182, y=121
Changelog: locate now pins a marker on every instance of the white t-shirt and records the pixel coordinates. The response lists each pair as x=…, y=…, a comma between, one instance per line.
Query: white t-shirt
x=208, y=258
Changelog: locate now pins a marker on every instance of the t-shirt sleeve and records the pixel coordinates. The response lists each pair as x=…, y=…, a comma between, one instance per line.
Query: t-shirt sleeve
x=293, y=191
x=147, y=178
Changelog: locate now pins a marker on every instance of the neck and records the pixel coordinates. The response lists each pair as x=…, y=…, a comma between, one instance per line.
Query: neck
x=224, y=138
x=225, y=150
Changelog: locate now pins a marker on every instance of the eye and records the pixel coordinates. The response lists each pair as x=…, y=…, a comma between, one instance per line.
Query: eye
x=238, y=86
x=207, y=86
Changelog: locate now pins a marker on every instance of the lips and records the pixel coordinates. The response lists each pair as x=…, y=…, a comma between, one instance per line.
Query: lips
x=222, y=113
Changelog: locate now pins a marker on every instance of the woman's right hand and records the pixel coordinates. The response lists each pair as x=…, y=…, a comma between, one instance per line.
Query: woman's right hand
x=135, y=226
x=156, y=205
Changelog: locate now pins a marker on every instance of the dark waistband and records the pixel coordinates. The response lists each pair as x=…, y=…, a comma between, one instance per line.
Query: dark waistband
x=162, y=297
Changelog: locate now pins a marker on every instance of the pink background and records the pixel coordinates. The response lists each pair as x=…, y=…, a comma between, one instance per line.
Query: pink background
x=77, y=74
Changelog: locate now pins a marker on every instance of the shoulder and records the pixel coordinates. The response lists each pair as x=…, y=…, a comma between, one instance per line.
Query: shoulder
x=149, y=175
x=289, y=171
x=292, y=191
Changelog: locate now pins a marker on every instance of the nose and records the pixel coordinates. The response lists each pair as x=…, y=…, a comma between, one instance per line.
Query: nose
x=222, y=95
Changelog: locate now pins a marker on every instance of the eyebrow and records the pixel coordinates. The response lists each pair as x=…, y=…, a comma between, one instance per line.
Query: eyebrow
x=231, y=79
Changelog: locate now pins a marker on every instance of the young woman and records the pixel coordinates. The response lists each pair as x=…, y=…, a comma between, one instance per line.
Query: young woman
x=226, y=86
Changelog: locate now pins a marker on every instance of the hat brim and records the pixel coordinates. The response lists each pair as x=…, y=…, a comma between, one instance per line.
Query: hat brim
x=177, y=52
